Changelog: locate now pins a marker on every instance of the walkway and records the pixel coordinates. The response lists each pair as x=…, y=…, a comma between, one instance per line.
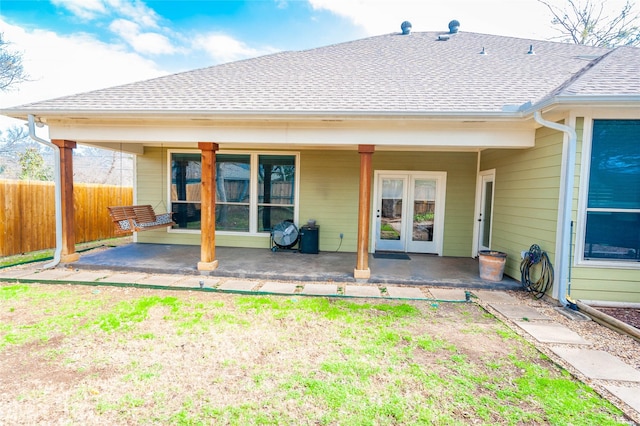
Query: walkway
x=598, y=368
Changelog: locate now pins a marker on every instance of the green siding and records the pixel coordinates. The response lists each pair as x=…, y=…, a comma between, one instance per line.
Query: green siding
x=592, y=283
x=527, y=186
x=329, y=185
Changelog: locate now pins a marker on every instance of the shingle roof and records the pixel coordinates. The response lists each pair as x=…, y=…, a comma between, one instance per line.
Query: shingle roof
x=393, y=73
x=617, y=72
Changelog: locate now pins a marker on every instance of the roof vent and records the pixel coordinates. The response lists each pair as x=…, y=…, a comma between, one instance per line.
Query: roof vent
x=531, y=52
x=406, y=27
x=484, y=52
x=454, y=26
x=444, y=37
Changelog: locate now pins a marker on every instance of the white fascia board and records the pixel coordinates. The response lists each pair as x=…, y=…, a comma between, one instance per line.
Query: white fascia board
x=418, y=135
x=163, y=115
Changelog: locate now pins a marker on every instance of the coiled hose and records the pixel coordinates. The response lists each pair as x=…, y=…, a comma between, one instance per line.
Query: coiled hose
x=533, y=257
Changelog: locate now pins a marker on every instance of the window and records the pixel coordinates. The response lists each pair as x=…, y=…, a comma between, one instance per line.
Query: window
x=276, y=190
x=612, y=230
x=253, y=191
x=186, y=171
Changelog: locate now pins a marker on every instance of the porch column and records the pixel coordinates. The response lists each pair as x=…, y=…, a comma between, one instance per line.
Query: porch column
x=364, y=212
x=208, y=260
x=68, y=253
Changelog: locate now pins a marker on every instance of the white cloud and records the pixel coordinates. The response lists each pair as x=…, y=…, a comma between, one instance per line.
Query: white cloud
x=64, y=65
x=223, y=48
x=86, y=9
x=142, y=42
x=136, y=11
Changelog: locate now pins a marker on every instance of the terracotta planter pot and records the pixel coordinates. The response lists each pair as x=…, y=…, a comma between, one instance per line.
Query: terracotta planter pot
x=491, y=264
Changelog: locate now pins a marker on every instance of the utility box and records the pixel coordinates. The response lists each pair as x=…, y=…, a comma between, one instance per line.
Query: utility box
x=309, y=239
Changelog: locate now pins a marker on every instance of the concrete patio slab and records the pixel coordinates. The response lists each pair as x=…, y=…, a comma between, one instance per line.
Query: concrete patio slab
x=597, y=364
x=320, y=289
x=162, y=280
x=262, y=263
x=362, y=291
x=445, y=294
x=278, y=288
x=495, y=297
x=238, y=285
x=552, y=333
x=207, y=282
x=629, y=394
x=518, y=312
x=405, y=292
x=124, y=277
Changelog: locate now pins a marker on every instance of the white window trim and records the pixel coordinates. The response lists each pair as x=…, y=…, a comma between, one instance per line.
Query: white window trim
x=580, y=231
x=253, y=202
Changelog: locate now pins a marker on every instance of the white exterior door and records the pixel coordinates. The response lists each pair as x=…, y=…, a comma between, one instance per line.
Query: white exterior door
x=409, y=213
x=485, y=215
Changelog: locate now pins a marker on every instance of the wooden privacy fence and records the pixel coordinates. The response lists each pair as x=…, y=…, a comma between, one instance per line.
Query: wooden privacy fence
x=28, y=214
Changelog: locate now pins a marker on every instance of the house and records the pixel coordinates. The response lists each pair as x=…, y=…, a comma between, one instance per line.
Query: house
x=429, y=142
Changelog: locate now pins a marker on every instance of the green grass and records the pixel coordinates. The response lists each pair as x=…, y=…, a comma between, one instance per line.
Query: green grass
x=202, y=358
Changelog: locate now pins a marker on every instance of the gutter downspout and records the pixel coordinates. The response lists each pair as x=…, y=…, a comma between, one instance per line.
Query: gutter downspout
x=58, y=192
x=565, y=237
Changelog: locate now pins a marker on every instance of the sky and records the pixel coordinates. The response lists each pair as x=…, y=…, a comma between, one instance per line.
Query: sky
x=74, y=46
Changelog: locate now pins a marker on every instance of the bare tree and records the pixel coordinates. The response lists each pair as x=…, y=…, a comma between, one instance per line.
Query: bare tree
x=11, y=70
x=589, y=22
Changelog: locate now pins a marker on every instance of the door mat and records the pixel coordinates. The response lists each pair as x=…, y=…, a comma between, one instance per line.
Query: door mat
x=396, y=256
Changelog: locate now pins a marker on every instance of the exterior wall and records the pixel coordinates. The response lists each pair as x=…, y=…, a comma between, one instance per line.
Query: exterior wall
x=460, y=199
x=329, y=182
x=597, y=283
x=527, y=187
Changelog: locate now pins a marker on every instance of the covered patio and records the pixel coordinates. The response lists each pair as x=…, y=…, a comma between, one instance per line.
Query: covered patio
x=291, y=265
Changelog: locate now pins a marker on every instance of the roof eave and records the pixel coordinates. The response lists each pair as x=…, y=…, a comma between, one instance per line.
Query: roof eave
x=566, y=101
x=55, y=114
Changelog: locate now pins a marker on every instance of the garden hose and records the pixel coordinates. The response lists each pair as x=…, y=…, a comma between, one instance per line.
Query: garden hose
x=533, y=257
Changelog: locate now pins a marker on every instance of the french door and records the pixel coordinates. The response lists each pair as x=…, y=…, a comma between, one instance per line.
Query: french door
x=409, y=212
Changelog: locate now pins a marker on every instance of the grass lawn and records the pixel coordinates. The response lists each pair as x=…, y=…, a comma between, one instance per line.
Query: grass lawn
x=107, y=355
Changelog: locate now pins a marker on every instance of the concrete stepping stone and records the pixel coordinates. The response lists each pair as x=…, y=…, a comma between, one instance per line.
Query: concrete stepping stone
x=162, y=279
x=597, y=364
x=630, y=395
x=448, y=294
x=124, y=277
x=207, y=282
x=405, y=293
x=15, y=273
x=49, y=274
x=320, y=289
x=278, y=288
x=552, y=333
x=495, y=297
x=519, y=312
x=238, y=285
x=87, y=276
x=362, y=291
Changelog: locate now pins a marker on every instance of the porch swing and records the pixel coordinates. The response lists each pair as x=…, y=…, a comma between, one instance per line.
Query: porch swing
x=137, y=218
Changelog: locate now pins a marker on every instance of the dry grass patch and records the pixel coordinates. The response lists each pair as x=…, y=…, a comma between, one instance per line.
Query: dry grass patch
x=104, y=355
